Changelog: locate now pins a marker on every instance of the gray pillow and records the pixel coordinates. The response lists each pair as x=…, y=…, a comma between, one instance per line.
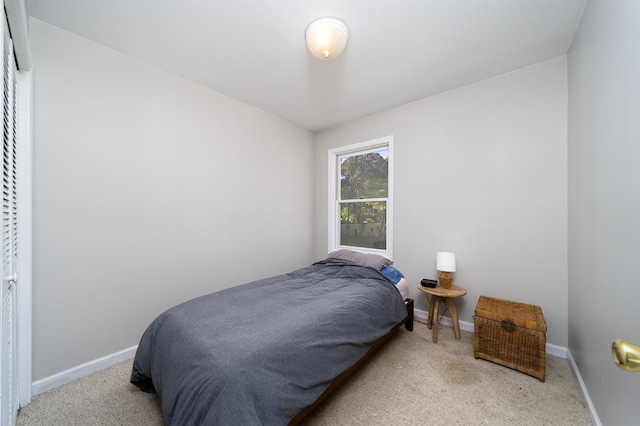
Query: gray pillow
x=374, y=261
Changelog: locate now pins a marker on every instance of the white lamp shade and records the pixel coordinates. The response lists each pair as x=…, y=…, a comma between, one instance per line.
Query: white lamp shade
x=446, y=261
x=326, y=38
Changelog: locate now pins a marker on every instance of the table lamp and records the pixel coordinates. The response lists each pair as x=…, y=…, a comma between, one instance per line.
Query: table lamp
x=446, y=264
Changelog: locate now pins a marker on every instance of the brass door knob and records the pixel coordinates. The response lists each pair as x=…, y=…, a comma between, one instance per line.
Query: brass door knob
x=626, y=355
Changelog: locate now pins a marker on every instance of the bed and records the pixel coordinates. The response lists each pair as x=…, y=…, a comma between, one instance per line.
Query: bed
x=269, y=351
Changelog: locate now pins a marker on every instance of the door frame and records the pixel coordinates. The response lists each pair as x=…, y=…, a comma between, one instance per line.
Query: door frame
x=25, y=234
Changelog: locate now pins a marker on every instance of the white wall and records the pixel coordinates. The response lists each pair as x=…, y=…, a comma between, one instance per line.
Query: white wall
x=149, y=190
x=604, y=202
x=480, y=171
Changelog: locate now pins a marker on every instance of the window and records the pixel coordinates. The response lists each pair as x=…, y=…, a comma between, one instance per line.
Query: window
x=360, y=194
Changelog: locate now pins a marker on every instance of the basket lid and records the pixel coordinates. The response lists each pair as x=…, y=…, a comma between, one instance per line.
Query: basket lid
x=522, y=314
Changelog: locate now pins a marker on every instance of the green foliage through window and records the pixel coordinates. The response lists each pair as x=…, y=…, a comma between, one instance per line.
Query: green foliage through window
x=364, y=177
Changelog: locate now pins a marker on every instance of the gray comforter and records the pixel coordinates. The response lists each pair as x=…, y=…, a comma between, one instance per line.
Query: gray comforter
x=261, y=352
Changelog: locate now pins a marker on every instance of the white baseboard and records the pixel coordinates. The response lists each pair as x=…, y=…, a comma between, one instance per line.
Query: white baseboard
x=592, y=408
x=555, y=350
x=85, y=369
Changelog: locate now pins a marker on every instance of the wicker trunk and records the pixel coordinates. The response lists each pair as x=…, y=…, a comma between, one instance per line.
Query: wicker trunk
x=512, y=334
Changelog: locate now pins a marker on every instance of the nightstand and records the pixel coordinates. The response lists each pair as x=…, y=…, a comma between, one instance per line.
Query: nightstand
x=445, y=295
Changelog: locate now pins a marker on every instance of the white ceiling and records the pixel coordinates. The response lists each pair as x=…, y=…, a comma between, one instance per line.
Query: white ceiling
x=254, y=50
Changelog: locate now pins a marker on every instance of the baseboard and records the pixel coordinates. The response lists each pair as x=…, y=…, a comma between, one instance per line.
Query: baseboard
x=85, y=369
x=555, y=350
x=585, y=392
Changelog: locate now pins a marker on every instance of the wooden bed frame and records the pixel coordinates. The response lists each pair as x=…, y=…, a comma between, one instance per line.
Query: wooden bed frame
x=408, y=325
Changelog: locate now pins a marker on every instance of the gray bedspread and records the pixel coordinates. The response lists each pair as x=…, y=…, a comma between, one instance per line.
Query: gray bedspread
x=261, y=352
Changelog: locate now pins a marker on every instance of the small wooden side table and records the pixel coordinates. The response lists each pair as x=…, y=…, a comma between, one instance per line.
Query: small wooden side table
x=445, y=295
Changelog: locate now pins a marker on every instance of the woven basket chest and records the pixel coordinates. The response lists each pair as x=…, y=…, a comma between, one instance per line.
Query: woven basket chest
x=512, y=334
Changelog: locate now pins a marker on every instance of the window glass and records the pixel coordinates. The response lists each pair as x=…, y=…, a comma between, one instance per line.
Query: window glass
x=364, y=224
x=364, y=175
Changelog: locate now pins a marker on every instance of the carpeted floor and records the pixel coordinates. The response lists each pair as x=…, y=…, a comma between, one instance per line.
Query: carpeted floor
x=410, y=381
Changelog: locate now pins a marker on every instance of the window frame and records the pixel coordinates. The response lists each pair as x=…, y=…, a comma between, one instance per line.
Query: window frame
x=333, y=223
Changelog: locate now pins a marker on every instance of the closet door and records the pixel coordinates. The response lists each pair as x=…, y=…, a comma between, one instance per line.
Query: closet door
x=9, y=256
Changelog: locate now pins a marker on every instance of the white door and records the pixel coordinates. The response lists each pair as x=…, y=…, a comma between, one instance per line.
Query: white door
x=9, y=240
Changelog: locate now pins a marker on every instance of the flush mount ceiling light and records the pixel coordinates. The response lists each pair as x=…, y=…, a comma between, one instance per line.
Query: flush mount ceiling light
x=326, y=38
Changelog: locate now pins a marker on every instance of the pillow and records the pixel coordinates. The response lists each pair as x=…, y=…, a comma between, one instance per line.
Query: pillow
x=374, y=261
x=392, y=274
x=403, y=288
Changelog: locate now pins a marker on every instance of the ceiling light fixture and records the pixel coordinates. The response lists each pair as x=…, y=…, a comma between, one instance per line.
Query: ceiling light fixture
x=326, y=38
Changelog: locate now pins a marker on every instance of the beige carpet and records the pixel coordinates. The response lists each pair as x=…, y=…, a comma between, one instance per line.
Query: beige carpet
x=410, y=381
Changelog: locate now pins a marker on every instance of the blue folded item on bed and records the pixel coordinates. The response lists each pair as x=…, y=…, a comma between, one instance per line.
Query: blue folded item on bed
x=392, y=274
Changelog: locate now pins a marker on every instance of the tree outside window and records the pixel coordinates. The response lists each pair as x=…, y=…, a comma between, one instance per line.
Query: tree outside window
x=362, y=199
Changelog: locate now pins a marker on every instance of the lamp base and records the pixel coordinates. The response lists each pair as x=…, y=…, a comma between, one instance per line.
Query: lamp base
x=445, y=279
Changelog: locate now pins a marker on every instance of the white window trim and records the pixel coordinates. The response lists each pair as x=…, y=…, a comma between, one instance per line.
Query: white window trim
x=333, y=215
